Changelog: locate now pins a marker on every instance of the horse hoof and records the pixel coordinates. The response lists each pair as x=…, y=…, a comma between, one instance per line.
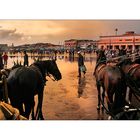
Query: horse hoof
x=98, y=107
x=42, y=118
x=102, y=107
x=33, y=118
x=109, y=118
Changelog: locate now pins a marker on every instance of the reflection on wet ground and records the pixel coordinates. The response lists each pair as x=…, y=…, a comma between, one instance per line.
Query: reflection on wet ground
x=81, y=86
x=71, y=98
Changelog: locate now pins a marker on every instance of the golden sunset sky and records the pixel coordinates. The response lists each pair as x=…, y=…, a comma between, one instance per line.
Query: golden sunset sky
x=56, y=31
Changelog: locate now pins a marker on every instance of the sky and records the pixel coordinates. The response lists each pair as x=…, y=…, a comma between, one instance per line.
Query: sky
x=56, y=31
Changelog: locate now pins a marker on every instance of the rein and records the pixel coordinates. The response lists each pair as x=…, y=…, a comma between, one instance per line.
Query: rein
x=52, y=78
x=132, y=69
x=134, y=88
x=107, y=111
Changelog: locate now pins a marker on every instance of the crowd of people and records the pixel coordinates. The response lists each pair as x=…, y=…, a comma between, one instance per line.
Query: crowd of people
x=108, y=54
x=4, y=60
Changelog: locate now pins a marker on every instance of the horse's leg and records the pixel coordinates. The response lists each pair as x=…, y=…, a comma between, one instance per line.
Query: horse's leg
x=39, y=107
x=99, y=94
x=103, y=95
x=28, y=107
x=33, y=116
x=109, y=99
x=130, y=96
x=18, y=105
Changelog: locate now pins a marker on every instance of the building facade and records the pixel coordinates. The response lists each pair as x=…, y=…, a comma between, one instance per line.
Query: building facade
x=77, y=43
x=130, y=40
x=72, y=43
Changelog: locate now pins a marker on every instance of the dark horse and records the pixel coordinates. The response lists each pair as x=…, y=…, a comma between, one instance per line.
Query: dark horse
x=110, y=79
x=131, y=72
x=25, y=82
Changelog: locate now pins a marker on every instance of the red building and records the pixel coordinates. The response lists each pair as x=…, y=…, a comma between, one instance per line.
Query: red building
x=129, y=40
x=74, y=43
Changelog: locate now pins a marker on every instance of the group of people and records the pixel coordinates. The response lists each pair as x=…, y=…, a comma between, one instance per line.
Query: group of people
x=4, y=60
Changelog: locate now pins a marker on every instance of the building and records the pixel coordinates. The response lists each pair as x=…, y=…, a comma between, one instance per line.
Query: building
x=130, y=40
x=78, y=43
x=72, y=43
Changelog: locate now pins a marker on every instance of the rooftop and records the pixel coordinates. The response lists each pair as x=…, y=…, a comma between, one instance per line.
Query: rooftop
x=128, y=33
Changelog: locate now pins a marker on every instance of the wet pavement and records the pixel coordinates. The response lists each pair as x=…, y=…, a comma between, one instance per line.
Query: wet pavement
x=71, y=98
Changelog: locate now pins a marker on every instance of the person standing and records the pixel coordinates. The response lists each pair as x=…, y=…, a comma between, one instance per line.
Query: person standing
x=26, y=63
x=80, y=63
x=122, y=52
x=5, y=58
x=101, y=58
x=1, y=61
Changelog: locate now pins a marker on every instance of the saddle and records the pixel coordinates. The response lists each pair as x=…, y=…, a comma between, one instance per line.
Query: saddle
x=100, y=67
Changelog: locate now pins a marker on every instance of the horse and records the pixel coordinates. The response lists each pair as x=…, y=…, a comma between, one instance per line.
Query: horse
x=26, y=82
x=110, y=78
x=131, y=71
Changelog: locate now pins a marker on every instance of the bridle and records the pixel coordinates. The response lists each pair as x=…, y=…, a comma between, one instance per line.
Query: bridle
x=51, y=77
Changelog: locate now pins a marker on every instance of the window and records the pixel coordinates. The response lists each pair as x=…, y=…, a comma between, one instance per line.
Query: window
x=116, y=46
x=128, y=39
x=129, y=46
x=123, y=46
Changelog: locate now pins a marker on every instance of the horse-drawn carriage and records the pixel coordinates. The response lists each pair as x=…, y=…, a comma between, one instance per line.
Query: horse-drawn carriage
x=115, y=80
x=7, y=112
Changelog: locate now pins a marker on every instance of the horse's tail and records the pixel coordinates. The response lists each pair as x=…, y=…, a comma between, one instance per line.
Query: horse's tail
x=119, y=100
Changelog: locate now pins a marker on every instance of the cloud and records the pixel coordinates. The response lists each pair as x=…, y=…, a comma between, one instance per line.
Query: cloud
x=55, y=31
x=10, y=34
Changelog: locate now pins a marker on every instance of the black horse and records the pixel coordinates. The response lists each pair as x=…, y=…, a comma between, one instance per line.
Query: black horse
x=25, y=82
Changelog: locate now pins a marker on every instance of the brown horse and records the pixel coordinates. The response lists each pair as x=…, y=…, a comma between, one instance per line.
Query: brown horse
x=110, y=78
x=131, y=72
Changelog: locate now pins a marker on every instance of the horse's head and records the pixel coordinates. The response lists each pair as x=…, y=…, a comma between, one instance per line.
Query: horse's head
x=101, y=57
x=124, y=62
x=52, y=69
x=48, y=67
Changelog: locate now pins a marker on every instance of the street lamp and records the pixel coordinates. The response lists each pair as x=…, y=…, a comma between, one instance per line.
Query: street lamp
x=116, y=30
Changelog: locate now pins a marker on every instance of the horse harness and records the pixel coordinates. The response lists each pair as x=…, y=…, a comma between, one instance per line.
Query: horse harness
x=100, y=68
x=43, y=76
x=132, y=69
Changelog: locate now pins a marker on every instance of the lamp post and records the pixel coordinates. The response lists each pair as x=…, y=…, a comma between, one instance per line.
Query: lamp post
x=116, y=30
x=134, y=43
